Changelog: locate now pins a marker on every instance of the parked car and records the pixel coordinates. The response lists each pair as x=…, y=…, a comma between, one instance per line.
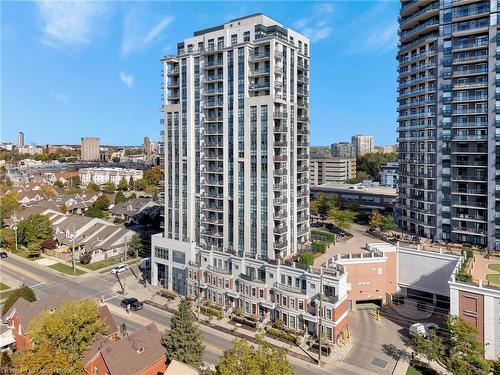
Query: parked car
x=423, y=329
x=132, y=303
x=3, y=254
x=119, y=269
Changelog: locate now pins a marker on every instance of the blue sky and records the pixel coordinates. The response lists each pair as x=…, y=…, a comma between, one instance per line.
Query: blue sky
x=92, y=68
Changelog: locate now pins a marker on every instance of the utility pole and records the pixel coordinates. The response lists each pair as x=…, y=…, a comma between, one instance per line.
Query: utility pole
x=125, y=257
x=73, y=249
x=320, y=314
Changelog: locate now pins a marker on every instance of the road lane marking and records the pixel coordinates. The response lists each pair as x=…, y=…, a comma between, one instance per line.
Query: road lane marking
x=23, y=271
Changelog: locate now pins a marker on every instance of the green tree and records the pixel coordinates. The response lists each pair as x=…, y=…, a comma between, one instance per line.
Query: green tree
x=306, y=259
x=34, y=229
x=120, y=197
x=7, y=237
x=109, y=187
x=22, y=292
x=101, y=203
x=34, y=250
x=123, y=185
x=432, y=347
x=74, y=181
x=95, y=212
x=71, y=328
x=371, y=163
x=141, y=184
x=44, y=359
x=85, y=258
x=131, y=183
x=58, y=183
x=343, y=219
x=321, y=205
x=375, y=220
x=183, y=341
x=8, y=204
x=387, y=223
x=135, y=245
x=243, y=358
x=93, y=187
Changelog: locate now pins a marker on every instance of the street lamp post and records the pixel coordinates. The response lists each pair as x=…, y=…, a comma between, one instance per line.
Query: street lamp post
x=320, y=313
x=15, y=227
x=73, y=249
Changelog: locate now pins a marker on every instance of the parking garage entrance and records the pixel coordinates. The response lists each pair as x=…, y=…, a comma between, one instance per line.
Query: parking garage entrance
x=369, y=304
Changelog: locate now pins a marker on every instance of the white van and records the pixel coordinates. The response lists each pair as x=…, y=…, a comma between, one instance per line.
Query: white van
x=422, y=329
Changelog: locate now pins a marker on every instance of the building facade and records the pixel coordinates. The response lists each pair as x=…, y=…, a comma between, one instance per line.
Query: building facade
x=389, y=174
x=363, y=144
x=100, y=176
x=343, y=150
x=325, y=169
x=447, y=120
x=20, y=139
x=237, y=138
x=90, y=149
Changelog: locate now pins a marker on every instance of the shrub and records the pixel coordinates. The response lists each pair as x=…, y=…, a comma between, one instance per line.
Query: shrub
x=167, y=294
x=85, y=258
x=238, y=311
x=281, y=335
x=209, y=311
x=319, y=247
x=320, y=235
x=244, y=321
x=479, y=362
x=307, y=259
x=469, y=253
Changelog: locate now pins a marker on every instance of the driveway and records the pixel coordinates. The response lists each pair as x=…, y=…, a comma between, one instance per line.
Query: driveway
x=376, y=345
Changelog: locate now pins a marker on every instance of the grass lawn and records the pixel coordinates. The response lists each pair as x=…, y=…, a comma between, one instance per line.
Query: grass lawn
x=4, y=286
x=68, y=270
x=26, y=255
x=103, y=264
x=494, y=277
x=413, y=371
x=129, y=262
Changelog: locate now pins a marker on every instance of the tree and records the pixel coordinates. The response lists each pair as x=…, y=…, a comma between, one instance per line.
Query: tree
x=431, y=347
x=120, y=197
x=85, y=258
x=183, y=341
x=58, y=183
x=22, y=292
x=243, y=358
x=34, y=229
x=141, y=184
x=71, y=328
x=95, y=212
x=34, y=250
x=321, y=205
x=371, y=163
x=387, y=224
x=92, y=187
x=109, y=188
x=48, y=244
x=343, y=219
x=63, y=208
x=375, y=220
x=306, y=259
x=153, y=176
x=44, y=359
x=123, y=185
x=48, y=190
x=74, y=181
x=135, y=245
x=131, y=183
x=115, y=159
x=101, y=203
x=7, y=237
x=8, y=204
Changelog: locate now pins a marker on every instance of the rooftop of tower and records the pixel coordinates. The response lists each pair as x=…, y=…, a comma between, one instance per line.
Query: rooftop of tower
x=221, y=27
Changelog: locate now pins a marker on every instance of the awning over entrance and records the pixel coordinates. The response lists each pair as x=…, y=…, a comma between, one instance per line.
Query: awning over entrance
x=232, y=293
x=269, y=305
x=310, y=317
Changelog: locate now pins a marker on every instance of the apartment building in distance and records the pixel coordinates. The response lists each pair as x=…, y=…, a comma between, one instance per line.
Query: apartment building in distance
x=90, y=149
x=236, y=183
x=447, y=124
x=20, y=139
x=325, y=169
x=100, y=176
x=363, y=144
x=343, y=150
x=389, y=174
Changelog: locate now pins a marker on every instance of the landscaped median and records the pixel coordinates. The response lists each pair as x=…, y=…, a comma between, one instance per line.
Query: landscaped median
x=64, y=268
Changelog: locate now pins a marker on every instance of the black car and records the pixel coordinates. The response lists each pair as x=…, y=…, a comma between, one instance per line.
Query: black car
x=132, y=303
x=3, y=254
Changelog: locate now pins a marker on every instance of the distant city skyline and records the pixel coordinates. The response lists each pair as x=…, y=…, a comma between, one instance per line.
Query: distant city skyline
x=99, y=73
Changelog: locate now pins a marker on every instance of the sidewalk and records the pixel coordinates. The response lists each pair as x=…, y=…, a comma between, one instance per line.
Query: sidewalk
x=404, y=363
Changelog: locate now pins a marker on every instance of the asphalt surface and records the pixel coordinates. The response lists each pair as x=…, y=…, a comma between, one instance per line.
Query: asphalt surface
x=45, y=282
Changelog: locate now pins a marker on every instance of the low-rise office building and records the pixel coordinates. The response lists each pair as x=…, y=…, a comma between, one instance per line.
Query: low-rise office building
x=100, y=176
x=327, y=169
x=369, y=195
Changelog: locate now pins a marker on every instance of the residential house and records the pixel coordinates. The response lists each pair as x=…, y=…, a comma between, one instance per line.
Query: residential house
x=179, y=368
x=30, y=197
x=63, y=177
x=134, y=210
x=140, y=353
x=22, y=312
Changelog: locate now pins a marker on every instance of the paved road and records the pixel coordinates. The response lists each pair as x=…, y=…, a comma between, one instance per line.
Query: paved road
x=45, y=282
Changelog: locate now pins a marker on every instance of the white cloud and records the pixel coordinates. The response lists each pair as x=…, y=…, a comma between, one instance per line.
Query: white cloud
x=137, y=37
x=68, y=25
x=318, y=25
x=127, y=79
x=62, y=98
x=382, y=39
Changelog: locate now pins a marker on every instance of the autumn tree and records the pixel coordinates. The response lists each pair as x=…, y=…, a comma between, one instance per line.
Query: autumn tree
x=8, y=204
x=375, y=220
x=343, y=219
x=243, y=358
x=109, y=187
x=122, y=185
x=183, y=341
x=93, y=187
x=44, y=359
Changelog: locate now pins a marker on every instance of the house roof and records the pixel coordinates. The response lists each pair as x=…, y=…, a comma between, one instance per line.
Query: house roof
x=132, y=353
x=107, y=319
x=179, y=368
x=132, y=206
x=28, y=310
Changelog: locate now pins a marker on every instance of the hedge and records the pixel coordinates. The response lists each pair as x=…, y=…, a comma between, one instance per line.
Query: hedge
x=167, y=293
x=325, y=236
x=244, y=321
x=276, y=333
x=319, y=247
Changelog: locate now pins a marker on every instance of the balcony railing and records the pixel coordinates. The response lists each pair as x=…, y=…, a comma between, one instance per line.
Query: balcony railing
x=288, y=288
x=222, y=271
